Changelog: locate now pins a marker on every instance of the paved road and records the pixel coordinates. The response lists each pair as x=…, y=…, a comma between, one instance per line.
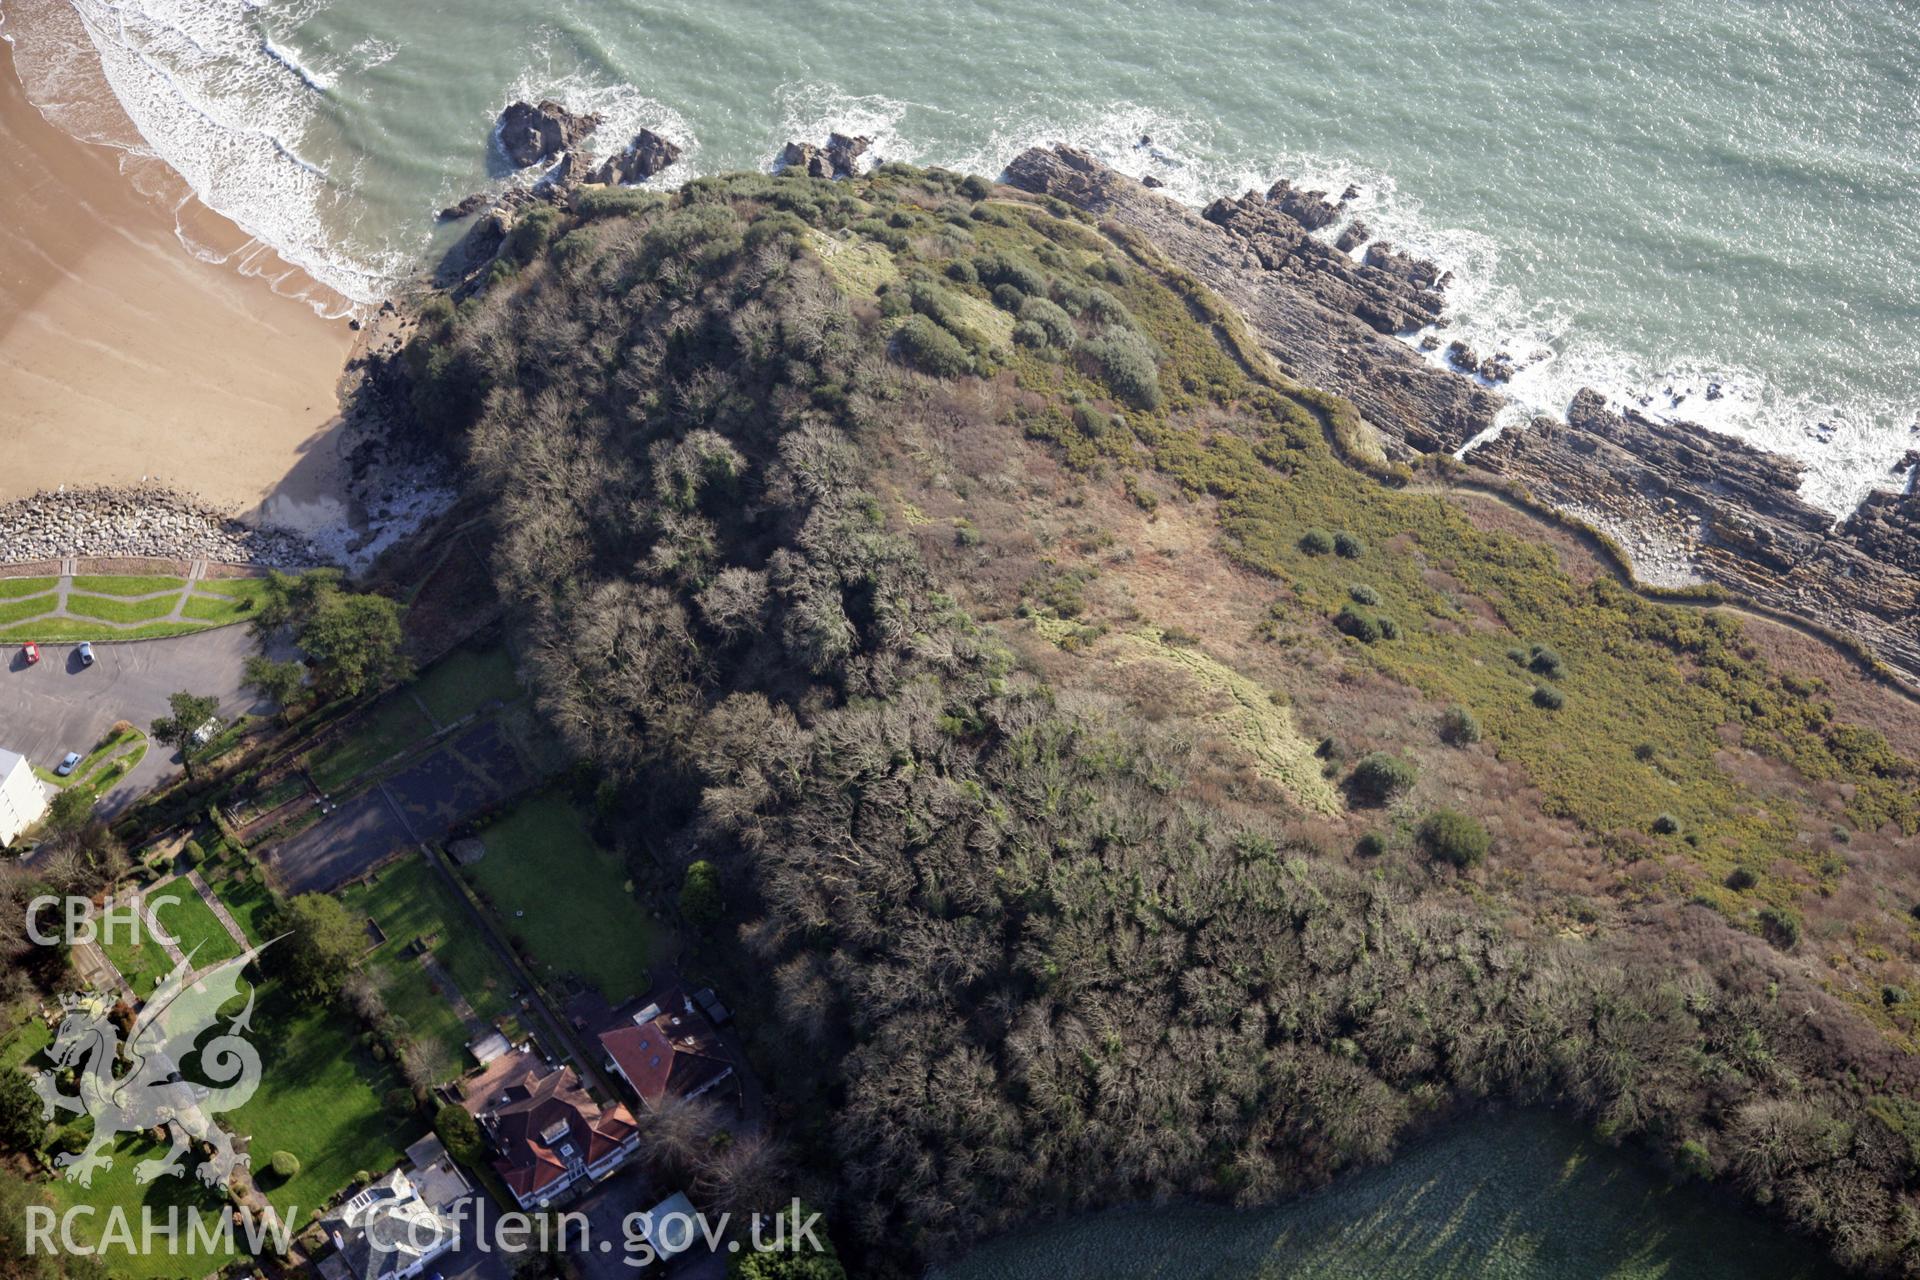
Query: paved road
x=60, y=706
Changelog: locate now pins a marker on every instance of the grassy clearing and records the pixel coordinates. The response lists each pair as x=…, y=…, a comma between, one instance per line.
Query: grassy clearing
x=390, y=728
x=20, y=609
x=126, y=585
x=112, y=609
x=566, y=899
x=248, y=587
x=193, y=926
x=412, y=901
x=464, y=681
x=25, y=1040
x=14, y=588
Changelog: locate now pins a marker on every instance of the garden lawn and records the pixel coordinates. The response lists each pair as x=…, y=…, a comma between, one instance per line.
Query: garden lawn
x=17, y=609
x=390, y=728
x=141, y=963
x=464, y=681
x=411, y=900
x=125, y=585
x=319, y=1098
x=193, y=926
x=115, y=1187
x=219, y=610
x=74, y=630
x=579, y=916
x=250, y=903
x=116, y=610
x=251, y=588
x=13, y=588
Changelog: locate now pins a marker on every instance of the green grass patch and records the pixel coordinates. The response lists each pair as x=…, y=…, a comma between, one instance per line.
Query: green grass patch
x=19, y=610
x=411, y=900
x=251, y=588
x=142, y=962
x=389, y=728
x=126, y=585
x=25, y=1040
x=193, y=926
x=74, y=630
x=566, y=899
x=115, y=610
x=109, y=747
x=250, y=902
x=14, y=588
x=464, y=681
x=219, y=610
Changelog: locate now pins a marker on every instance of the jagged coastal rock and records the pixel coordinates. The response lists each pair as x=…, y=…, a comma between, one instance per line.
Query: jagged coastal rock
x=1691, y=506
x=646, y=155
x=531, y=135
x=838, y=159
x=145, y=521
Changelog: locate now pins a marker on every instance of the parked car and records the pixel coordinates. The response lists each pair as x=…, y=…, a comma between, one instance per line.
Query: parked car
x=204, y=734
x=67, y=764
x=86, y=653
x=31, y=652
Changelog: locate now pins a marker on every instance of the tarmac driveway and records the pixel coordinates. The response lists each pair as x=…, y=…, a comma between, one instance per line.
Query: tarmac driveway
x=59, y=706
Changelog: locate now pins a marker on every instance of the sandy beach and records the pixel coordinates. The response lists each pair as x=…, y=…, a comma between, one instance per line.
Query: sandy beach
x=124, y=357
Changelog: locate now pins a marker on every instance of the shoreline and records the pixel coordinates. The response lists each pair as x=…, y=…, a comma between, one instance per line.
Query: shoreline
x=127, y=361
x=1694, y=506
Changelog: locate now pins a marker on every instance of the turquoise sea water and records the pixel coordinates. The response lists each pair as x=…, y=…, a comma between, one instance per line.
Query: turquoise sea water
x=1647, y=196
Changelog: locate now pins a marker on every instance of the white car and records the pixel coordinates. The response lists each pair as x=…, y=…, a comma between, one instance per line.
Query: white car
x=204, y=734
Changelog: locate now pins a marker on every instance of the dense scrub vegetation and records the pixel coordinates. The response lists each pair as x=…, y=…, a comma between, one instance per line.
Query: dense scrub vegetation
x=1033, y=963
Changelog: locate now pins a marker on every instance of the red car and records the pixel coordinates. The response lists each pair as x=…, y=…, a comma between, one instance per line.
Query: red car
x=33, y=652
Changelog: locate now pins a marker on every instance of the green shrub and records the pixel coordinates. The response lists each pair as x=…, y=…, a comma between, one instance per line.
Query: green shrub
x=1028, y=334
x=609, y=202
x=1517, y=656
x=1455, y=837
x=1459, y=726
x=1379, y=777
x=193, y=855
x=1740, y=879
x=1008, y=298
x=975, y=187
x=1645, y=752
x=1666, y=825
x=700, y=900
x=931, y=349
x=962, y=272
x=1048, y=315
x=1127, y=363
x=1316, y=542
x=1363, y=594
x=998, y=269
x=1363, y=627
x=1371, y=845
x=285, y=1165
x=1781, y=926
x=458, y=1130
x=1692, y=1159
x=1543, y=661
x=1892, y=994
x=1549, y=697
x=1092, y=422
x=1349, y=545
x=531, y=232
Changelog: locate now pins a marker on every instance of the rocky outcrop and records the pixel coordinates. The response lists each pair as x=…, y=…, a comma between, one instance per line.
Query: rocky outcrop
x=1689, y=506
x=646, y=155
x=145, y=521
x=1310, y=209
x=1327, y=320
x=840, y=158
x=531, y=135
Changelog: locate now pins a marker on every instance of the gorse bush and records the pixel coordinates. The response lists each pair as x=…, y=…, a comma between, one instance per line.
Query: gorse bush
x=1048, y=315
x=1455, y=837
x=1549, y=697
x=1459, y=726
x=1363, y=594
x=1545, y=662
x=1316, y=542
x=931, y=349
x=1379, y=777
x=1349, y=545
x=1125, y=361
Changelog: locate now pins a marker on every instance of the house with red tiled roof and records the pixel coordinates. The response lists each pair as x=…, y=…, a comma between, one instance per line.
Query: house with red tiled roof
x=551, y=1136
x=668, y=1048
